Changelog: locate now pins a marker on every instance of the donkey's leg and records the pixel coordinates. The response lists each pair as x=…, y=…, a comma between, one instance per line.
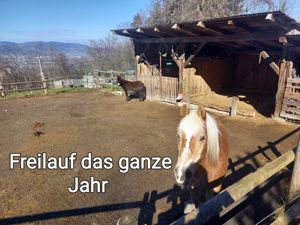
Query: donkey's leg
x=126, y=94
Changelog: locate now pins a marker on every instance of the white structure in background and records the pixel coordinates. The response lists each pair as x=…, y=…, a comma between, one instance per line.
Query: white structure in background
x=89, y=82
x=86, y=81
x=58, y=84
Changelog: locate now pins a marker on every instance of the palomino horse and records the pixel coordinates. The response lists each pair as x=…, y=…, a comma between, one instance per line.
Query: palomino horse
x=203, y=154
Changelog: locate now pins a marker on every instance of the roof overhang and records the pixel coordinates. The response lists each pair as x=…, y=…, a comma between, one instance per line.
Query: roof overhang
x=243, y=28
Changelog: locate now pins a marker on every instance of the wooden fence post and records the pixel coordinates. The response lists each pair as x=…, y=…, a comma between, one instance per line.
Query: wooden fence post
x=2, y=89
x=233, y=108
x=280, y=89
x=235, y=192
x=43, y=77
x=295, y=180
x=1, y=86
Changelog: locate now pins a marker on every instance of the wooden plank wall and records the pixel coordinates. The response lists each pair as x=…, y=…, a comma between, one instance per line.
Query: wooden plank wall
x=160, y=88
x=239, y=72
x=252, y=75
x=146, y=70
x=205, y=76
x=291, y=100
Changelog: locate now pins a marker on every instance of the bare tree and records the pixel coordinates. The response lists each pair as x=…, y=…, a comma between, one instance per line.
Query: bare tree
x=172, y=11
x=111, y=52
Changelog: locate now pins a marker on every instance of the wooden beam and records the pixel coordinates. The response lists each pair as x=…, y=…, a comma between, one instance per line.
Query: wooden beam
x=236, y=192
x=127, y=34
x=147, y=32
x=270, y=17
x=277, y=21
x=230, y=23
x=295, y=181
x=175, y=59
x=286, y=217
x=140, y=30
x=162, y=31
x=176, y=27
x=202, y=26
x=283, y=40
x=271, y=63
x=281, y=87
x=196, y=51
x=224, y=38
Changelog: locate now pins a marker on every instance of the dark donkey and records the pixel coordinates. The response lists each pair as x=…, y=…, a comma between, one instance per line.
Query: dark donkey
x=133, y=89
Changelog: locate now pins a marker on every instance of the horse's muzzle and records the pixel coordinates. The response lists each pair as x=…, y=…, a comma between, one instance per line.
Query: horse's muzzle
x=179, y=175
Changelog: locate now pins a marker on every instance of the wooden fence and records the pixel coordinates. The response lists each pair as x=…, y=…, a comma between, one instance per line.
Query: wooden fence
x=161, y=88
x=291, y=101
x=21, y=86
x=232, y=196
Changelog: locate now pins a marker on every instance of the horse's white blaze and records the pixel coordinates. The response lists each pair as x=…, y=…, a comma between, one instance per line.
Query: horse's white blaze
x=213, y=147
x=189, y=126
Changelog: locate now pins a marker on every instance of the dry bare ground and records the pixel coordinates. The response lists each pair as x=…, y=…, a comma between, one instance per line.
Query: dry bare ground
x=107, y=125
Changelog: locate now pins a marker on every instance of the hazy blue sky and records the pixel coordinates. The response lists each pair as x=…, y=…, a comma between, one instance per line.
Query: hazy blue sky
x=69, y=20
x=64, y=20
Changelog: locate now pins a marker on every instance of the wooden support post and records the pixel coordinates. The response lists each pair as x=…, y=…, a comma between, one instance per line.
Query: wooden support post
x=181, y=70
x=295, y=180
x=43, y=77
x=138, y=67
x=2, y=90
x=233, y=107
x=196, y=51
x=280, y=89
x=1, y=86
x=236, y=192
x=160, y=64
x=180, y=63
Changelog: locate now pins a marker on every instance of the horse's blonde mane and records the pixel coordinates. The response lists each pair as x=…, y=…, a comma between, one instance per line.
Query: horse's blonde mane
x=213, y=147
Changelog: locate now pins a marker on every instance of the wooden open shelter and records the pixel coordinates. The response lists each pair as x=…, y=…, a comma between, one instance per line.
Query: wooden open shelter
x=255, y=56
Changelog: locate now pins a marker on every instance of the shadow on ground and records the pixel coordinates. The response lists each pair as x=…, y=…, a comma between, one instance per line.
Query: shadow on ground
x=253, y=209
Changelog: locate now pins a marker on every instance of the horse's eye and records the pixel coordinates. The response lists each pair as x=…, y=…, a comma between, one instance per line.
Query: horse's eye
x=202, y=138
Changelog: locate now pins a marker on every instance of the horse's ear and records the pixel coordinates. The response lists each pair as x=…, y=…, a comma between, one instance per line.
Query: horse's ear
x=201, y=112
x=184, y=110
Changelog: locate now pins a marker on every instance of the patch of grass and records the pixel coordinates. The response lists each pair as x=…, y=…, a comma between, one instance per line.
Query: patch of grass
x=52, y=91
x=112, y=88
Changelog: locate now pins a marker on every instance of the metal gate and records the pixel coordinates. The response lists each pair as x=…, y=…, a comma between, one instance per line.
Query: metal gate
x=161, y=88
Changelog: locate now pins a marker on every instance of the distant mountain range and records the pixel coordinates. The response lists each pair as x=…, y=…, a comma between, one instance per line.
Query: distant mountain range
x=32, y=48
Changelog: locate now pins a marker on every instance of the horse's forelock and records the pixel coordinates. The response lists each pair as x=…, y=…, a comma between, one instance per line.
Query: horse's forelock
x=190, y=124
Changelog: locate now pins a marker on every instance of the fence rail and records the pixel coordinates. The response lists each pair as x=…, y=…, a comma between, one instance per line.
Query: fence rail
x=236, y=192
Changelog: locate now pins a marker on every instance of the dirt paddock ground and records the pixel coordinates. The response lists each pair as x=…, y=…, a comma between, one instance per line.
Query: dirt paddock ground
x=107, y=125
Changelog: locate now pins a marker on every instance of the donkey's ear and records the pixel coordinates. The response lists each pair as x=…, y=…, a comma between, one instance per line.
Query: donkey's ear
x=184, y=110
x=201, y=112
